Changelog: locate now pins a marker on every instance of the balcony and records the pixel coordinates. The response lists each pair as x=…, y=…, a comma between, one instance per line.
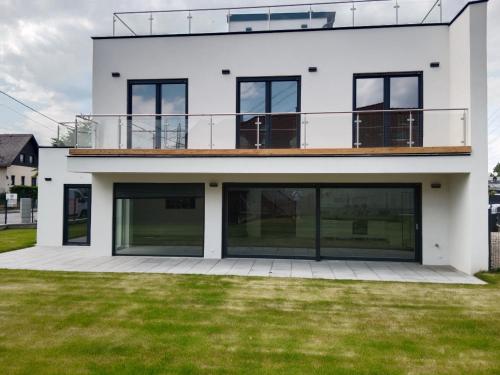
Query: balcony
x=316, y=16
x=347, y=133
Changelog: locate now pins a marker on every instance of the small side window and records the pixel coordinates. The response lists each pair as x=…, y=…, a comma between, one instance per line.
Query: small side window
x=21, y=158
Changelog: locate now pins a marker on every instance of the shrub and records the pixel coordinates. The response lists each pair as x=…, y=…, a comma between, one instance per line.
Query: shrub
x=24, y=191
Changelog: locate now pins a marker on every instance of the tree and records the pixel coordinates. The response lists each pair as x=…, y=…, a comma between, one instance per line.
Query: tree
x=67, y=136
x=497, y=169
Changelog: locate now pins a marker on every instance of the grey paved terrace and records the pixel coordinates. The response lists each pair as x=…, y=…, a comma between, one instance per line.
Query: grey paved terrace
x=79, y=259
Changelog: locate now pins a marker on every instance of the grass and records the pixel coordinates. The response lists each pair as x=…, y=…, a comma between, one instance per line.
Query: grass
x=14, y=239
x=90, y=323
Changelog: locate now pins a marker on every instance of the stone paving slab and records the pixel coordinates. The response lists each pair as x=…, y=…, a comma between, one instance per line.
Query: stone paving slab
x=80, y=259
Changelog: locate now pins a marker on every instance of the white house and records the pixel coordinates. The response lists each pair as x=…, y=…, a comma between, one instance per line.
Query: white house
x=296, y=135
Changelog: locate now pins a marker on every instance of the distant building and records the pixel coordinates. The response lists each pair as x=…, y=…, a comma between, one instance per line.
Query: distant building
x=18, y=160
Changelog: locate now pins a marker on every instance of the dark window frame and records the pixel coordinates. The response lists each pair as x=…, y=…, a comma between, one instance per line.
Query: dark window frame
x=113, y=232
x=157, y=83
x=226, y=187
x=386, y=76
x=13, y=180
x=65, y=214
x=23, y=180
x=268, y=80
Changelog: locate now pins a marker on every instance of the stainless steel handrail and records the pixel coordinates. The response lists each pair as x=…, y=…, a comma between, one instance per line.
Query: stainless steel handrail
x=254, y=7
x=89, y=116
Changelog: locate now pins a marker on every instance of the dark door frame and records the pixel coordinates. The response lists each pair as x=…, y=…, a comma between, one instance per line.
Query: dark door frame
x=158, y=108
x=417, y=187
x=66, y=211
x=268, y=102
x=387, y=99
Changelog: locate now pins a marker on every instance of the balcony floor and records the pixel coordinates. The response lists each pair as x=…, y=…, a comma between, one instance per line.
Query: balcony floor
x=372, y=151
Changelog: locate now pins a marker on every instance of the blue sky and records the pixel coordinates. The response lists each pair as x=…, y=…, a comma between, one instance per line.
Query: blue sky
x=46, y=56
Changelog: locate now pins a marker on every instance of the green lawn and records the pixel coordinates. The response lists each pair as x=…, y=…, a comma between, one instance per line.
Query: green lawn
x=89, y=323
x=13, y=239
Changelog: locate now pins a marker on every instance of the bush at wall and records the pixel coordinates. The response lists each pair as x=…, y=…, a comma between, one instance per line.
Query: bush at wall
x=24, y=191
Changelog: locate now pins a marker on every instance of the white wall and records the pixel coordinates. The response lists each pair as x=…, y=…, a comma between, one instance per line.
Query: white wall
x=52, y=164
x=337, y=54
x=468, y=85
x=3, y=180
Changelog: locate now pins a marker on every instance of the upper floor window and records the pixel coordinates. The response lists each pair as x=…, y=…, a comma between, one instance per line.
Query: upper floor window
x=157, y=97
x=33, y=181
x=21, y=158
x=397, y=94
x=30, y=159
x=23, y=180
x=268, y=95
x=12, y=180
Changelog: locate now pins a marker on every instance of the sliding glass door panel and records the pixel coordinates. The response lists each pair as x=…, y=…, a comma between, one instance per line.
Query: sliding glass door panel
x=159, y=219
x=271, y=222
x=368, y=223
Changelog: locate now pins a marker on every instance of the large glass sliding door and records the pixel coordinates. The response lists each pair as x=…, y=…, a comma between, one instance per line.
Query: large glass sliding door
x=322, y=221
x=151, y=97
x=271, y=221
x=279, y=95
x=159, y=219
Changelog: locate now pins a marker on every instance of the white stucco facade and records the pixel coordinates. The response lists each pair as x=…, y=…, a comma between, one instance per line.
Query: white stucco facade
x=453, y=216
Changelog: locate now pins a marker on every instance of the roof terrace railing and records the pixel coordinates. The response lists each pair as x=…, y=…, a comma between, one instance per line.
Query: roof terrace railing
x=443, y=127
x=319, y=15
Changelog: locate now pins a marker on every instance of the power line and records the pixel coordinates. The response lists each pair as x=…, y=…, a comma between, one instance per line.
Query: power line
x=29, y=107
x=29, y=118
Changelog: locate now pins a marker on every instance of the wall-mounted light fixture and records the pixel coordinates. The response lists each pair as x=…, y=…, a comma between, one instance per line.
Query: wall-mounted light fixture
x=226, y=71
x=436, y=185
x=435, y=64
x=213, y=184
x=48, y=179
x=313, y=69
x=115, y=74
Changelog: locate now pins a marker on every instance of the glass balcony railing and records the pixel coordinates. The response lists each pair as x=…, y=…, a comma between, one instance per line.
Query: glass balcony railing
x=333, y=14
x=290, y=130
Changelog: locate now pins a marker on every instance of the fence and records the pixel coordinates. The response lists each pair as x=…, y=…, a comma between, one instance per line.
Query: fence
x=494, y=239
x=13, y=215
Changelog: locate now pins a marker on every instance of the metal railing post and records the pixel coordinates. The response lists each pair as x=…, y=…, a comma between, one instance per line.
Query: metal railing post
x=119, y=132
x=151, y=23
x=189, y=17
x=114, y=24
x=58, y=134
x=357, y=122
x=76, y=133
x=258, y=123
x=269, y=18
x=440, y=11
x=229, y=20
x=304, y=123
x=353, y=9
x=211, y=132
x=310, y=16
x=464, y=127
x=397, y=12
x=410, y=127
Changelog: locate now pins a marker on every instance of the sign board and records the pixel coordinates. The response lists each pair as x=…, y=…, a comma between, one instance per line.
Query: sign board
x=11, y=199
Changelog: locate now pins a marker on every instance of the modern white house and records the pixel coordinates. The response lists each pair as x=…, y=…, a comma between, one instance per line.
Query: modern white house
x=325, y=131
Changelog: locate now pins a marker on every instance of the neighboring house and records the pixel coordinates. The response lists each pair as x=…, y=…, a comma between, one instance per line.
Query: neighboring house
x=280, y=140
x=18, y=160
